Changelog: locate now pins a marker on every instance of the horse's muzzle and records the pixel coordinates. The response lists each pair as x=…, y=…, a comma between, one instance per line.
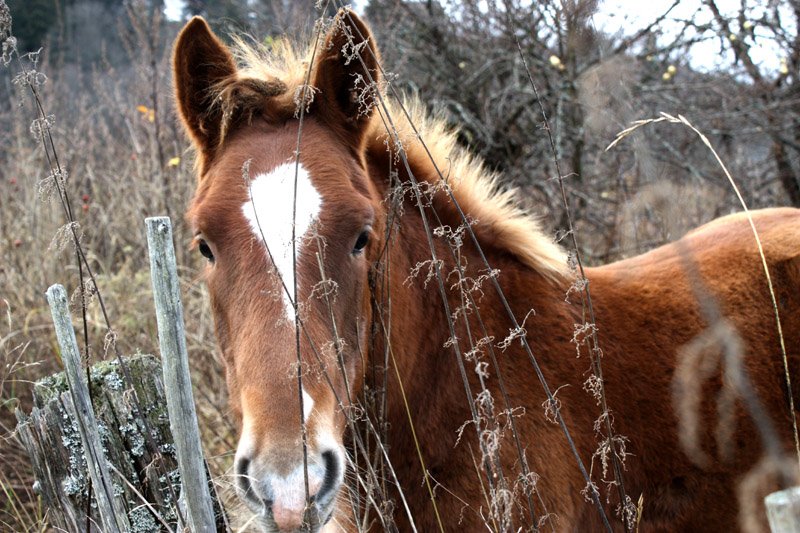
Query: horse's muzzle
x=282, y=502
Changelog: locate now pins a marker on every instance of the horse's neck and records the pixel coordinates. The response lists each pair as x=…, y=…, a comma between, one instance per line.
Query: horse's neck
x=419, y=318
x=426, y=370
x=423, y=329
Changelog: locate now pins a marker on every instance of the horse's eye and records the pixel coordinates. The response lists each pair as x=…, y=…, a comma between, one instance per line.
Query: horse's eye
x=205, y=249
x=361, y=242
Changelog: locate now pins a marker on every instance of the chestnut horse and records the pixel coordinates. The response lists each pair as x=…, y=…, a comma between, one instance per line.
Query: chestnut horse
x=372, y=362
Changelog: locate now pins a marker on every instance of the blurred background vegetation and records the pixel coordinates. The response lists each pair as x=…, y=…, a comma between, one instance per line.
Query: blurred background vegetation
x=730, y=67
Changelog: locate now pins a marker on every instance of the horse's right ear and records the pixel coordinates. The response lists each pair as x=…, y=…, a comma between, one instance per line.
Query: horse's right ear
x=200, y=61
x=348, y=76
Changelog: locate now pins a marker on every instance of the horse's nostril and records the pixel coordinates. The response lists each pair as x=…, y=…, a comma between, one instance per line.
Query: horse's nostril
x=332, y=475
x=243, y=477
x=241, y=466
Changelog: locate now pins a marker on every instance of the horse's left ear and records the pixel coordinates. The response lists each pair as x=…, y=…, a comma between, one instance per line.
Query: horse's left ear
x=348, y=76
x=200, y=61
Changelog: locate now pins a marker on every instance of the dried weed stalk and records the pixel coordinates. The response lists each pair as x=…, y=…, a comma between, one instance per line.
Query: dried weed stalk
x=681, y=120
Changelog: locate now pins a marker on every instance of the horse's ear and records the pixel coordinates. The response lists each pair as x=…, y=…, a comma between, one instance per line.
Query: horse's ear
x=347, y=75
x=200, y=61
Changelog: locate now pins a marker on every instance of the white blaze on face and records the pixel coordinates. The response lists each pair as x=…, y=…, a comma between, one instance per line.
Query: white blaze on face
x=269, y=211
x=308, y=405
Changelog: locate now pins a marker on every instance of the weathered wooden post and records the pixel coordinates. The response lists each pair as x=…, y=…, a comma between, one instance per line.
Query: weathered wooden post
x=180, y=401
x=112, y=514
x=783, y=510
x=51, y=437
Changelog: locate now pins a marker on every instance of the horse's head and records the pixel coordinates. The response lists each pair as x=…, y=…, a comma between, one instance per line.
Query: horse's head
x=289, y=365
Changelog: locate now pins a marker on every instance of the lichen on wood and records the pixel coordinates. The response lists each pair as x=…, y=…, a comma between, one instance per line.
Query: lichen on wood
x=50, y=435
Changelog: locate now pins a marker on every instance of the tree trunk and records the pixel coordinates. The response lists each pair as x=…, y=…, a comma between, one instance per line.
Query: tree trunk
x=788, y=177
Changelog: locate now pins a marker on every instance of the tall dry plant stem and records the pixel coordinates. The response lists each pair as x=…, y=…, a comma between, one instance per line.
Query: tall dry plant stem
x=629, y=511
x=302, y=108
x=681, y=120
x=294, y=269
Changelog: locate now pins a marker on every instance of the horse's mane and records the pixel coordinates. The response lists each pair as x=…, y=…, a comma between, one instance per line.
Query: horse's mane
x=278, y=72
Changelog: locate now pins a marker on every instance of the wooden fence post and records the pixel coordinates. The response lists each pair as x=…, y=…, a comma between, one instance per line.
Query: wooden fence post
x=113, y=516
x=783, y=510
x=178, y=386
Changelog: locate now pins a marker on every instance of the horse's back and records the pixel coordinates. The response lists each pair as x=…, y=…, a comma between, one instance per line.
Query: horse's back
x=651, y=308
x=721, y=261
x=778, y=230
x=726, y=257
x=777, y=218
